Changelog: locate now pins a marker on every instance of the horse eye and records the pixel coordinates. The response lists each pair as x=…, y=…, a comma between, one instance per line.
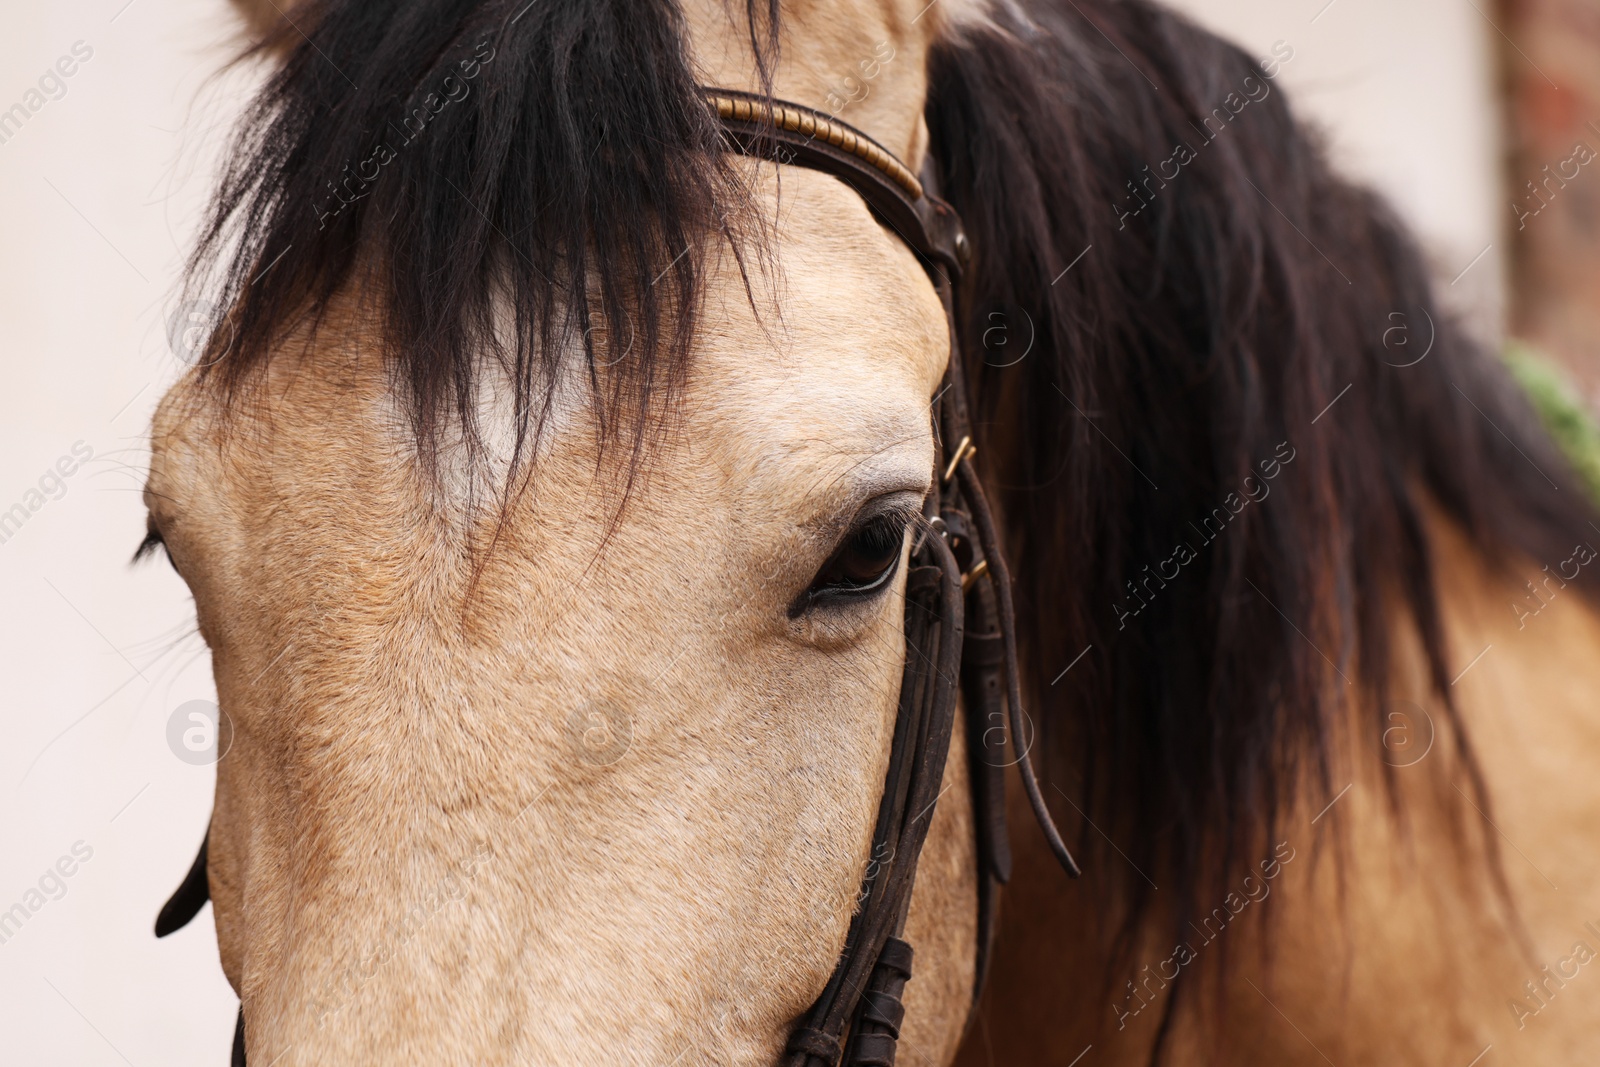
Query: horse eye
x=864, y=562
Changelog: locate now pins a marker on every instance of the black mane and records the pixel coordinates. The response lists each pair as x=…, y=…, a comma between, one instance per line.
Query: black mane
x=490, y=180
x=1231, y=305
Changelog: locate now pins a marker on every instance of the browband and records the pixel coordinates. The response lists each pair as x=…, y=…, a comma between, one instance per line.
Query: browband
x=789, y=133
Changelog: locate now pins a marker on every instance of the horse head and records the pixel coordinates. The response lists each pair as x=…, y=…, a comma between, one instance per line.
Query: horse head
x=560, y=640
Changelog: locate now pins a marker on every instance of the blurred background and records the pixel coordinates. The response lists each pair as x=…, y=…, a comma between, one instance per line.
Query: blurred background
x=1472, y=117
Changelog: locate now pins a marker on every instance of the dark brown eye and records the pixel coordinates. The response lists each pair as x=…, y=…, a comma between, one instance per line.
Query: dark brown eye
x=866, y=560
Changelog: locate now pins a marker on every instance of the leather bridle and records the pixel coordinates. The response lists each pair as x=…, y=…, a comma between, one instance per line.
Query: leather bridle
x=959, y=619
x=959, y=628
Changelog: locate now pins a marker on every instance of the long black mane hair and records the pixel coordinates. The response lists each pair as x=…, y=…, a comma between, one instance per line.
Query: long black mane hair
x=1221, y=458
x=1218, y=466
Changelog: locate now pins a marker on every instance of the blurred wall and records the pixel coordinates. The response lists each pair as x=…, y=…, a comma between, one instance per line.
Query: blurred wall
x=1552, y=203
x=107, y=136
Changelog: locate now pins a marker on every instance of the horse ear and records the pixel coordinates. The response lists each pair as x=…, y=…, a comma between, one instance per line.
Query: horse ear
x=267, y=23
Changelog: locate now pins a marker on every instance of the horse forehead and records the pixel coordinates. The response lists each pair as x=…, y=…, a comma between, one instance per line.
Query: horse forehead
x=830, y=349
x=829, y=366
x=847, y=356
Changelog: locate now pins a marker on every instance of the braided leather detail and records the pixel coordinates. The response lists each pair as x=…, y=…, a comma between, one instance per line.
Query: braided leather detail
x=747, y=107
x=791, y=134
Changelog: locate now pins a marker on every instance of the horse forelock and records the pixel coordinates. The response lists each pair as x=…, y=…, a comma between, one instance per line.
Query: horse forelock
x=493, y=185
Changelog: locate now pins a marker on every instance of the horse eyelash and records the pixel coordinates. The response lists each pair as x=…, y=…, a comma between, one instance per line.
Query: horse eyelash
x=152, y=541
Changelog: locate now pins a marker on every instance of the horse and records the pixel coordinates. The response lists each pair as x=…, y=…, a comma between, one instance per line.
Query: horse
x=552, y=491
